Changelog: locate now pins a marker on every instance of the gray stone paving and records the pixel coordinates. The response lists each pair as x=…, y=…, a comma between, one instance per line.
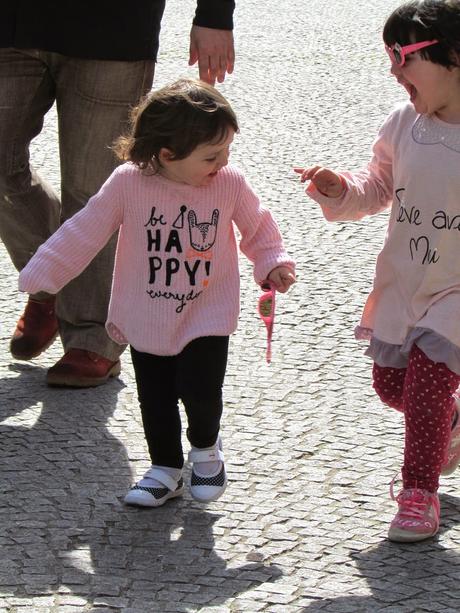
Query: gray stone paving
x=310, y=450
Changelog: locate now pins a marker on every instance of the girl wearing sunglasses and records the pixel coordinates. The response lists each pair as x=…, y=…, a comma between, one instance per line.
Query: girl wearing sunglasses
x=175, y=291
x=412, y=316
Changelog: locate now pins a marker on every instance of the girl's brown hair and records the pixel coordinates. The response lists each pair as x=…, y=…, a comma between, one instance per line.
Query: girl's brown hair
x=178, y=117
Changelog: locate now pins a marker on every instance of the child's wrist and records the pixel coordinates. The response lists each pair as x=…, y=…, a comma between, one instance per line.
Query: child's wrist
x=343, y=184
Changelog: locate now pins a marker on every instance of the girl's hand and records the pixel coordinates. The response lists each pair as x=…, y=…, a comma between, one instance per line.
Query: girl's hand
x=326, y=181
x=282, y=277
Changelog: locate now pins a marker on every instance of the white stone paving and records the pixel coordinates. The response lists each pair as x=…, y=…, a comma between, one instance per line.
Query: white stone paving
x=310, y=450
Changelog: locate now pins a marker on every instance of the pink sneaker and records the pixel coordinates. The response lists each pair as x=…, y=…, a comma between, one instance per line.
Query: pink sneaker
x=417, y=518
x=453, y=452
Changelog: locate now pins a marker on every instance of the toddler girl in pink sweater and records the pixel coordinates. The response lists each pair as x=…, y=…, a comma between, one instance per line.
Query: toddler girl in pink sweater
x=411, y=317
x=175, y=290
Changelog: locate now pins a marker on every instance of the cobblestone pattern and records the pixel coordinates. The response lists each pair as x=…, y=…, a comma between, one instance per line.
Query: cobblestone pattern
x=310, y=450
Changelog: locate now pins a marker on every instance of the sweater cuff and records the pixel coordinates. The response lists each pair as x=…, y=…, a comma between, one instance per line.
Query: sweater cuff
x=216, y=14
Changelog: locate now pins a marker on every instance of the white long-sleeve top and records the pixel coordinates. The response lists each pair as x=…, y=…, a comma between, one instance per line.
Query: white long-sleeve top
x=176, y=275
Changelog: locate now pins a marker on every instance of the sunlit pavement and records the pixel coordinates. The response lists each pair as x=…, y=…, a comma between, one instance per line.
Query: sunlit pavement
x=310, y=450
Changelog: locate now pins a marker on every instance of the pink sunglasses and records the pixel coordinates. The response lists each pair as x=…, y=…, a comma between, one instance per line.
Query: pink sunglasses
x=398, y=54
x=267, y=313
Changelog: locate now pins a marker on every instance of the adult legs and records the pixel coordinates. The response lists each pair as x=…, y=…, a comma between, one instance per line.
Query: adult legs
x=93, y=99
x=93, y=109
x=29, y=208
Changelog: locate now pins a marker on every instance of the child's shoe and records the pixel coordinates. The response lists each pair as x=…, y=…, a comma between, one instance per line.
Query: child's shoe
x=209, y=479
x=158, y=485
x=417, y=518
x=453, y=452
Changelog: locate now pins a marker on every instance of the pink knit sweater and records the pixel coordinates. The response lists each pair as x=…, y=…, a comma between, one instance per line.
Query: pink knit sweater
x=176, y=274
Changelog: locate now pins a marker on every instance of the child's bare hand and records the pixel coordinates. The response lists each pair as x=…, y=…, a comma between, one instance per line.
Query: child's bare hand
x=282, y=277
x=326, y=181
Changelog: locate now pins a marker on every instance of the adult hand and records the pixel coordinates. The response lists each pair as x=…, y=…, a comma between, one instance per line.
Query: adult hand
x=214, y=51
x=282, y=277
x=326, y=181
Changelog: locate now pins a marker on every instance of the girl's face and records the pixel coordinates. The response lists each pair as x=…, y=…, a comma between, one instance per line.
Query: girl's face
x=433, y=89
x=201, y=166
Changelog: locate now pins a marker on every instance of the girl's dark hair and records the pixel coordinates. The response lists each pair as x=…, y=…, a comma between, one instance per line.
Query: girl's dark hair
x=179, y=117
x=422, y=20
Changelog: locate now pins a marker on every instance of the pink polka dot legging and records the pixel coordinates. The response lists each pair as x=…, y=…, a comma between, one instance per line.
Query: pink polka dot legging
x=423, y=392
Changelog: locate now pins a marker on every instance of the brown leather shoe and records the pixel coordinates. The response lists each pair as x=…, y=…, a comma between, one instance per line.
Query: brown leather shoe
x=35, y=331
x=81, y=368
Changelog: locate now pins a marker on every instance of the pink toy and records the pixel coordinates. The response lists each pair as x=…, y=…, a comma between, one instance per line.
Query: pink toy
x=266, y=308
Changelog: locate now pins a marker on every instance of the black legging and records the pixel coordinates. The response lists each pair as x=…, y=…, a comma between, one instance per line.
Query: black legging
x=195, y=376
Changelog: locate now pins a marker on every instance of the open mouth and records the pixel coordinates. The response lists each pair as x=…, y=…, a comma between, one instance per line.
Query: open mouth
x=412, y=92
x=410, y=89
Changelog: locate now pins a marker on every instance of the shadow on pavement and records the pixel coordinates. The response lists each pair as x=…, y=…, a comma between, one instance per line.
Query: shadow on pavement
x=64, y=528
x=404, y=578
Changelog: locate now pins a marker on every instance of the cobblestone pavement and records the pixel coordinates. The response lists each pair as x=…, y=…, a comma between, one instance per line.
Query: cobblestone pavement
x=311, y=451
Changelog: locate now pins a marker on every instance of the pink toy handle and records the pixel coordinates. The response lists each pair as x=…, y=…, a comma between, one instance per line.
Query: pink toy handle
x=266, y=307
